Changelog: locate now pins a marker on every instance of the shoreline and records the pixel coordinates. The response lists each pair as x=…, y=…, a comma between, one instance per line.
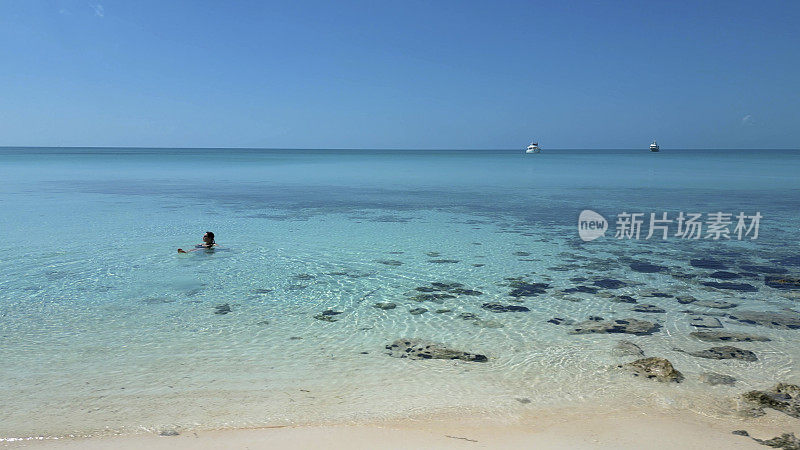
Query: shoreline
x=556, y=429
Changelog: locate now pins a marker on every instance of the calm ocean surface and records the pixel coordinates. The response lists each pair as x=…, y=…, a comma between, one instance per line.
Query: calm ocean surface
x=104, y=328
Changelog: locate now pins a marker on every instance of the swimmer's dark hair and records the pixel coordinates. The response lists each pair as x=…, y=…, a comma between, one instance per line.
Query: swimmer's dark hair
x=211, y=235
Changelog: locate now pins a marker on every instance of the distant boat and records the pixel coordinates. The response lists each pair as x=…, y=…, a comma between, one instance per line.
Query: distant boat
x=533, y=147
x=654, y=146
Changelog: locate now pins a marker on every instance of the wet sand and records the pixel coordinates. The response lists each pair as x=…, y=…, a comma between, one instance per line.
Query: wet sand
x=549, y=430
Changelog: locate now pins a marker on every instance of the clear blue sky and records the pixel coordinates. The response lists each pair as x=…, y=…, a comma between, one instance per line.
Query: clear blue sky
x=401, y=74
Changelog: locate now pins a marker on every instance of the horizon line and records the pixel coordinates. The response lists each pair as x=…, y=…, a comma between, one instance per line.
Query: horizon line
x=372, y=148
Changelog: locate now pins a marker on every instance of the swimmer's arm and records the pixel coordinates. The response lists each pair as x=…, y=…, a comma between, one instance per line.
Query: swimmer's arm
x=180, y=250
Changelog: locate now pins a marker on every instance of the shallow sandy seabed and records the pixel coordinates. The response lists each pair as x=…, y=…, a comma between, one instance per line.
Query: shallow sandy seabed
x=549, y=429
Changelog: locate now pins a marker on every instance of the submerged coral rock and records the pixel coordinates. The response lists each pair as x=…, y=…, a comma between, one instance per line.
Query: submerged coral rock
x=446, y=286
x=581, y=288
x=783, y=397
x=740, y=287
x=719, y=304
x=328, y=315
x=727, y=336
x=385, y=305
x=786, y=441
x=420, y=349
x=561, y=321
x=785, y=320
x=627, y=348
x=521, y=288
x=724, y=275
x=325, y=318
x=222, y=309
x=705, y=322
x=645, y=308
x=609, y=283
x=461, y=291
x=483, y=323
x=724, y=352
x=499, y=308
x=658, y=294
x=599, y=325
x=417, y=311
x=715, y=379
x=390, y=262
x=645, y=267
x=764, y=269
x=708, y=264
x=436, y=297
x=654, y=368
x=782, y=282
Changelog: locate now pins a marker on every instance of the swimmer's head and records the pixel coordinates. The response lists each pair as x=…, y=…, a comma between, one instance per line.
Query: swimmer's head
x=208, y=238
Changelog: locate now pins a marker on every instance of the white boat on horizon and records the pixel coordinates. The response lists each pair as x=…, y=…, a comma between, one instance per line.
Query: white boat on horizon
x=654, y=146
x=533, y=147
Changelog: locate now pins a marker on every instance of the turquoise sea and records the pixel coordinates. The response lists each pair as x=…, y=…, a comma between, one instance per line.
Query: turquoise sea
x=105, y=328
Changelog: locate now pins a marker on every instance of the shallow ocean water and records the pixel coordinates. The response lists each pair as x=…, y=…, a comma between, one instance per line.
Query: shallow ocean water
x=105, y=328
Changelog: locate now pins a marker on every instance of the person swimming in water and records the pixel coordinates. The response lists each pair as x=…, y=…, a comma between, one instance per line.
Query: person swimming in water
x=208, y=242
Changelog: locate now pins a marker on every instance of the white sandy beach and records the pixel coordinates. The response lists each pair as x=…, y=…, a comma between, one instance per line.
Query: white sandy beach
x=549, y=430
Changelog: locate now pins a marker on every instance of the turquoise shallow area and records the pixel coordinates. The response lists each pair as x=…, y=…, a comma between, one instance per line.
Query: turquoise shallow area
x=105, y=328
